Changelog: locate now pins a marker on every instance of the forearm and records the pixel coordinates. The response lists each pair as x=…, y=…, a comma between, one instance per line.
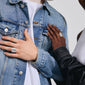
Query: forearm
x=66, y=62
x=47, y=65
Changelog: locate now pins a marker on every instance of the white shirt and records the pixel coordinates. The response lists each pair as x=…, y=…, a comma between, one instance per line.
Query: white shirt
x=32, y=76
x=79, y=51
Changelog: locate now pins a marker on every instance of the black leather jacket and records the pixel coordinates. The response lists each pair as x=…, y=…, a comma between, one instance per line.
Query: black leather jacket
x=72, y=70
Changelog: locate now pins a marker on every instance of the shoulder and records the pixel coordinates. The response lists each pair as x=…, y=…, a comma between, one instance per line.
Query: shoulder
x=57, y=18
x=54, y=12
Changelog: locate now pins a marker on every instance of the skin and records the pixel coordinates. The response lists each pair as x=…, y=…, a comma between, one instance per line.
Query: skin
x=23, y=46
x=42, y=1
x=53, y=33
x=25, y=49
x=38, y=1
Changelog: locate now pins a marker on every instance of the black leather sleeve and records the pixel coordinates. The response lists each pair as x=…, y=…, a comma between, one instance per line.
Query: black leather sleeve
x=66, y=62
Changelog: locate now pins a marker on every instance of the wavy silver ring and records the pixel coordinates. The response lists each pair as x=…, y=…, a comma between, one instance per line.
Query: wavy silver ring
x=13, y=50
x=60, y=34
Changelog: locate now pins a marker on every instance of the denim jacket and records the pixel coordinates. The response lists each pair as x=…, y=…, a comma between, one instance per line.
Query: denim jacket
x=14, y=18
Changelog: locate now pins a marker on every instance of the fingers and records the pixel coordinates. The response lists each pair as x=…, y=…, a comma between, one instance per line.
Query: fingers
x=5, y=48
x=12, y=39
x=57, y=39
x=5, y=45
x=50, y=31
x=56, y=28
x=9, y=49
x=51, y=34
x=54, y=32
x=26, y=35
x=11, y=54
x=8, y=43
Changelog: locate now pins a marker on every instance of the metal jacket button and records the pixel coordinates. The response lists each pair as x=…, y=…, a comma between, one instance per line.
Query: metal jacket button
x=26, y=22
x=6, y=29
x=20, y=73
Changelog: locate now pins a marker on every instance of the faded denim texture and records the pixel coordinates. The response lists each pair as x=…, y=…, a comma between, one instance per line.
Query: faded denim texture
x=13, y=21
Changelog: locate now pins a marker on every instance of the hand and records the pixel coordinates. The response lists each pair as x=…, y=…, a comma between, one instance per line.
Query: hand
x=25, y=49
x=53, y=33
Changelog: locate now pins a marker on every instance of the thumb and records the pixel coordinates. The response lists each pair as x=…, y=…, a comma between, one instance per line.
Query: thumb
x=26, y=35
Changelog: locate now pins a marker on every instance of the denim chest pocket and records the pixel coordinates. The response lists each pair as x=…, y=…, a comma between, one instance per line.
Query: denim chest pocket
x=41, y=38
x=46, y=40
x=8, y=29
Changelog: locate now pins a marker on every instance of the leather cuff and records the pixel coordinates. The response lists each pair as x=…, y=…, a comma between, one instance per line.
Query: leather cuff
x=61, y=52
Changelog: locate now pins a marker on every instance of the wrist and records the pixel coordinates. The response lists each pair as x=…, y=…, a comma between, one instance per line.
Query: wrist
x=61, y=52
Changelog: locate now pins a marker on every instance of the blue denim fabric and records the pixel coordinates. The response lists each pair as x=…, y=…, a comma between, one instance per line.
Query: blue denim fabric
x=13, y=16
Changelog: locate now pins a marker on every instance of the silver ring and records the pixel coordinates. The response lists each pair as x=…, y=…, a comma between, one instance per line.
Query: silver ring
x=13, y=50
x=60, y=34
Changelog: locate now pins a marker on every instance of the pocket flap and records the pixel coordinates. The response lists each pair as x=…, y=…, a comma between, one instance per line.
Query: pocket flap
x=8, y=28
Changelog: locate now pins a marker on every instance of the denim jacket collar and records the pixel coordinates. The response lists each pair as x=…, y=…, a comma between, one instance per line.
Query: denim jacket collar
x=47, y=7
x=17, y=1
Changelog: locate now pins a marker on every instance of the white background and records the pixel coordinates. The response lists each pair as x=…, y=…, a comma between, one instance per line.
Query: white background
x=75, y=17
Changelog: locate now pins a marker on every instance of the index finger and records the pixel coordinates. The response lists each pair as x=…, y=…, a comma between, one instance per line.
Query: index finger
x=56, y=29
x=10, y=39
